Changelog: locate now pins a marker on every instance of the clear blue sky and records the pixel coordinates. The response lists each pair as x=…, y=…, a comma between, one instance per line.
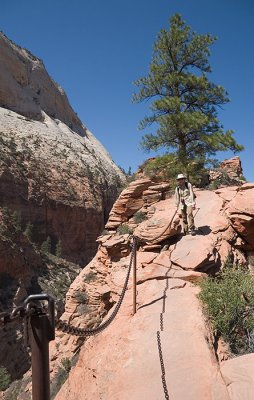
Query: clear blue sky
x=95, y=50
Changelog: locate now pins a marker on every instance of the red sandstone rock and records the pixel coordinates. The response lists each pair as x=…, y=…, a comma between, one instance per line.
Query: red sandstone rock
x=233, y=167
x=111, y=364
x=163, y=224
x=238, y=375
x=132, y=369
x=241, y=213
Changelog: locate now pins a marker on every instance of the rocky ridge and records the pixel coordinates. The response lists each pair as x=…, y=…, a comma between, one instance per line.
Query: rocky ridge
x=124, y=360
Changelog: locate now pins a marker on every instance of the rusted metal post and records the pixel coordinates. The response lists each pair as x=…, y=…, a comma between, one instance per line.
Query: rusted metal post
x=40, y=357
x=41, y=333
x=134, y=276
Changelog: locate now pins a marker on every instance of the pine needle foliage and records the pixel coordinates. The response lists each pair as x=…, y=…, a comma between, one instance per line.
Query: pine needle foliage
x=183, y=102
x=5, y=378
x=46, y=246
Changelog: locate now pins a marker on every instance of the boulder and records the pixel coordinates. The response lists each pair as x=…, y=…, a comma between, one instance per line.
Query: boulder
x=161, y=225
x=240, y=211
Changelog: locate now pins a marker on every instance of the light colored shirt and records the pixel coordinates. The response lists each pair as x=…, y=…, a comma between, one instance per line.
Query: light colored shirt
x=184, y=195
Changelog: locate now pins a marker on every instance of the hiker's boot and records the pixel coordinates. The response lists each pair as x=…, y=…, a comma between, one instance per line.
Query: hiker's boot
x=192, y=232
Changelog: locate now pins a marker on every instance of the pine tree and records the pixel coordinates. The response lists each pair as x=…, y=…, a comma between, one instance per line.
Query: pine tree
x=16, y=220
x=59, y=249
x=184, y=102
x=29, y=231
x=46, y=246
x=5, y=378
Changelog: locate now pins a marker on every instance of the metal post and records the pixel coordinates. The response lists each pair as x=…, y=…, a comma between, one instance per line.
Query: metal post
x=40, y=329
x=41, y=333
x=134, y=277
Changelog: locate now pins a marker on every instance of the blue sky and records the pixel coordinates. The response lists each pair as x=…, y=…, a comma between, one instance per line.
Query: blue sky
x=95, y=50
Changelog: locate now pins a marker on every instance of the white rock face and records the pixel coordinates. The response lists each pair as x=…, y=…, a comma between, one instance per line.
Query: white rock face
x=52, y=140
x=53, y=171
x=26, y=87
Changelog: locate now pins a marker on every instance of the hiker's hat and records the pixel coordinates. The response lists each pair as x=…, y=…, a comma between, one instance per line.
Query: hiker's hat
x=180, y=176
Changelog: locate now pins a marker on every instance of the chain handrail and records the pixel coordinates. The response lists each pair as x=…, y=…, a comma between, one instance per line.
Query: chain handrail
x=65, y=327
x=19, y=312
x=27, y=310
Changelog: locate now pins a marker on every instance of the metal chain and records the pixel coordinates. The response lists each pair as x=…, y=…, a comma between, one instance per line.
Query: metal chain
x=163, y=378
x=163, y=374
x=22, y=312
x=19, y=312
x=65, y=327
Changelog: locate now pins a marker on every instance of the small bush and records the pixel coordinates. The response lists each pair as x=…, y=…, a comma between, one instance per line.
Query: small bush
x=124, y=229
x=90, y=277
x=16, y=220
x=58, y=381
x=140, y=216
x=28, y=232
x=223, y=179
x=229, y=302
x=66, y=363
x=5, y=378
x=81, y=297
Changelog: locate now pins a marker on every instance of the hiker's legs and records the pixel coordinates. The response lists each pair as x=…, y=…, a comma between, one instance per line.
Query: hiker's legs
x=185, y=221
x=190, y=218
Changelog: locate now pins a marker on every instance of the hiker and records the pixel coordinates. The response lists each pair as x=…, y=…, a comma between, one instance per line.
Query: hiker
x=185, y=202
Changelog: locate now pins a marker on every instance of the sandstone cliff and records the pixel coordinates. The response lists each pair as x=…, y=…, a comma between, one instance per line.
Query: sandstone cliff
x=53, y=170
x=56, y=180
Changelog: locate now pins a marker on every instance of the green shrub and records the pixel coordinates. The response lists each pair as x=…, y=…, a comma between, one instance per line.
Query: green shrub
x=229, y=302
x=28, y=232
x=124, y=229
x=5, y=378
x=66, y=363
x=167, y=167
x=16, y=220
x=222, y=180
x=46, y=246
x=81, y=297
x=58, y=381
x=139, y=216
x=91, y=276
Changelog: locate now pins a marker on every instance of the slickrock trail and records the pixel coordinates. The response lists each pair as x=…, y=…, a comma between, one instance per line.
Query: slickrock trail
x=165, y=351
x=131, y=367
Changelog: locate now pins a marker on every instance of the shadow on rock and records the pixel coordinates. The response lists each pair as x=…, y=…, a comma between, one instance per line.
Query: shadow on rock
x=203, y=230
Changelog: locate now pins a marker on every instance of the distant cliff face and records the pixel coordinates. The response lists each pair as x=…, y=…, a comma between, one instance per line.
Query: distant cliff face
x=57, y=182
x=53, y=171
x=27, y=89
